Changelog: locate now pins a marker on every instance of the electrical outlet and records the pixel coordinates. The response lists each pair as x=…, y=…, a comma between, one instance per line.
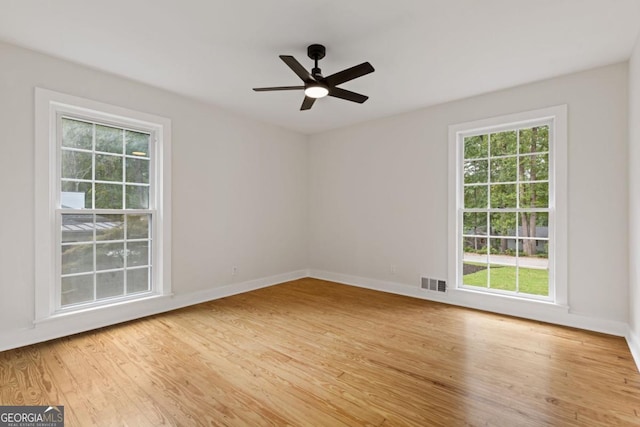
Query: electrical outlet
x=234, y=270
x=393, y=269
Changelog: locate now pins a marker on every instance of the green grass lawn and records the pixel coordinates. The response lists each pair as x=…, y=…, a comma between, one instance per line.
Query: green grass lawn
x=531, y=280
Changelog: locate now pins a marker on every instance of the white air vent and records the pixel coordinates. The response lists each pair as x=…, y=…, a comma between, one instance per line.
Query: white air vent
x=433, y=285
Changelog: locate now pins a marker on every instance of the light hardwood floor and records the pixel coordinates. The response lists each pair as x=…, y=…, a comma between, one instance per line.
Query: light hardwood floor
x=314, y=353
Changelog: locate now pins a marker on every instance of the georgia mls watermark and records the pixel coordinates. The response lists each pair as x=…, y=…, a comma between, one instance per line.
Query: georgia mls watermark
x=31, y=416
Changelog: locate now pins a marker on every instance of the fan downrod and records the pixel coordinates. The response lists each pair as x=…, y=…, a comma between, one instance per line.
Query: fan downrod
x=316, y=52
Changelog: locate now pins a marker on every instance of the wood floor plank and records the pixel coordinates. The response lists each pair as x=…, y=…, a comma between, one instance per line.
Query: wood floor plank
x=183, y=388
x=312, y=352
x=27, y=380
x=250, y=353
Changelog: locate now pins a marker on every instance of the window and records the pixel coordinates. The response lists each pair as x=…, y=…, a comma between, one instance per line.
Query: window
x=103, y=215
x=107, y=253
x=506, y=208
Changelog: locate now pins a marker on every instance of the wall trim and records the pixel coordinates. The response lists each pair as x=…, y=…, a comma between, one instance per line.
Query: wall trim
x=82, y=322
x=634, y=345
x=533, y=310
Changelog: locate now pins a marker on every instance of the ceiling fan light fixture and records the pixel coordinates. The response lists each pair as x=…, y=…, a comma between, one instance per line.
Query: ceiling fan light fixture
x=316, y=91
x=316, y=85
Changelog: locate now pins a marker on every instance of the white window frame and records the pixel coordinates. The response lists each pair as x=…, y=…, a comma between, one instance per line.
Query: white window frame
x=49, y=107
x=556, y=118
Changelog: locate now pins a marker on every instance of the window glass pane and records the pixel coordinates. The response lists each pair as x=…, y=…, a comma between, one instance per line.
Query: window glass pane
x=475, y=261
x=534, y=167
x=474, y=223
x=503, y=143
x=137, y=197
x=503, y=246
x=533, y=281
x=75, y=195
x=475, y=274
x=109, y=284
x=137, y=170
x=78, y=198
x=138, y=227
x=137, y=280
x=76, y=165
x=77, y=228
x=502, y=276
x=534, y=139
x=475, y=171
x=503, y=224
x=109, y=256
x=475, y=249
x=108, y=196
x=542, y=224
x=77, y=134
x=108, y=168
x=533, y=272
x=77, y=258
x=475, y=197
x=542, y=250
x=137, y=254
x=76, y=289
x=533, y=224
x=503, y=196
x=537, y=250
x=109, y=227
x=137, y=143
x=109, y=139
x=534, y=195
x=475, y=147
x=504, y=169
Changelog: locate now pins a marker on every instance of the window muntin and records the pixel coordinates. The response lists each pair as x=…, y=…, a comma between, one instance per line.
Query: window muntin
x=105, y=210
x=506, y=210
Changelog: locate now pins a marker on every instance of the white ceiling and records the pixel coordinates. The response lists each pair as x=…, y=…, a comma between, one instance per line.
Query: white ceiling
x=425, y=52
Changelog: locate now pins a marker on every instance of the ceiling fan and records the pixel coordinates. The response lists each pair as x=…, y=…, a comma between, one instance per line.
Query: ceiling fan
x=315, y=85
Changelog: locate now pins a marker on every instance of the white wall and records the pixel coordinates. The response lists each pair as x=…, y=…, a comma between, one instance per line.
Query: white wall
x=634, y=202
x=239, y=188
x=348, y=203
x=378, y=193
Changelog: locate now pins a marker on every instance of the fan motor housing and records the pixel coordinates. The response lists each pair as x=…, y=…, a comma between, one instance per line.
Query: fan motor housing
x=316, y=51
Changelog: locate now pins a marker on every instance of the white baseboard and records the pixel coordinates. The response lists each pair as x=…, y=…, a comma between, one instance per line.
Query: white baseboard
x=93, y=319
x=518, y=307
x=82, y=322
x=633, y=340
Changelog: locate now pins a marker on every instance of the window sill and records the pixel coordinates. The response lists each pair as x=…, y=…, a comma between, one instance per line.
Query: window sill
x=547, y=311
x=98, y=311
x=506, y=295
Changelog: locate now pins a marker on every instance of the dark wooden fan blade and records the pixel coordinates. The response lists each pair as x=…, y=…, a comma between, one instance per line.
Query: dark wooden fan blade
x=337, y=92
x=266, y=89
x=307, y=103
x=297, y=68
x=349, y=74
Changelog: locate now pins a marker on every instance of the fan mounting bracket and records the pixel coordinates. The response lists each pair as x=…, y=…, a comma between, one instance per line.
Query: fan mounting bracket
x=316, y=51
